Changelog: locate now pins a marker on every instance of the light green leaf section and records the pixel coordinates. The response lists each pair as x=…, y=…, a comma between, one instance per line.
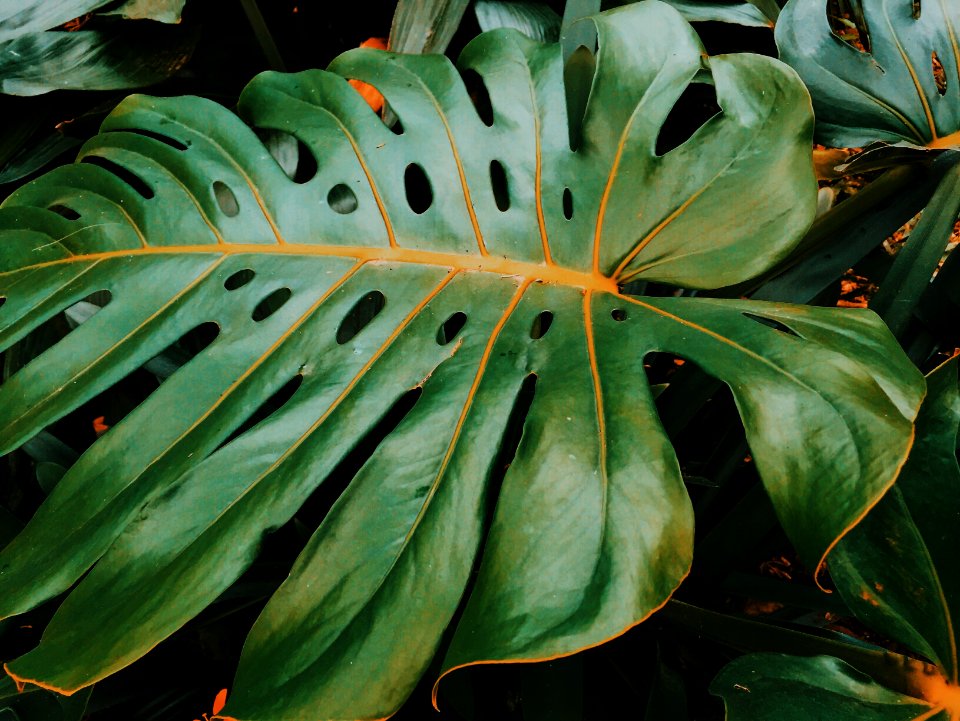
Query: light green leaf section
x=179, y=201
x=774, y=687
x=127, y=57
x=738, y=13
x=22, y=17
x=889, y=93
x=535, y=20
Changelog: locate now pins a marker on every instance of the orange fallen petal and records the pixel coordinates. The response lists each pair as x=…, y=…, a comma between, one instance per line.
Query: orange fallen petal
x=368, y=92
x=99, y=427
x=220, y=701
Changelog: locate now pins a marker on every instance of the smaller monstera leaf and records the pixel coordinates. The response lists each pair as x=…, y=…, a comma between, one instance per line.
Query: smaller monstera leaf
x=432, y=289
x=897, y=572
x=904, y=87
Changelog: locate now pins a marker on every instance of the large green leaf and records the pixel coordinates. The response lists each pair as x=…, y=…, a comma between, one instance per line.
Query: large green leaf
x=897, y=572
x=889, y=93
x=348, y=284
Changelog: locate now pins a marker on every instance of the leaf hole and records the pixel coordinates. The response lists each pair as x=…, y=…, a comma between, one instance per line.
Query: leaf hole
x=277, y=400
x=187, y=347
x=153, y=135
x=479, y=96
x=393, y=124
x=128, y=177
x=451, y=327
x=239, y=279
x=578, y=75
x=316, y=507
x=360, y=316
x=510, y=441
x=541, y=324
x=271, y=304
x=696, y=105
x=500, y=185
x=226, y=199
x=939, y=75
x=64, y=212
x=83, y=310
x=848, y=24
x=292, y=155
x=618, y=314
x=342, y=199
x=771, y=323
x=567, y=204
x=417, y=185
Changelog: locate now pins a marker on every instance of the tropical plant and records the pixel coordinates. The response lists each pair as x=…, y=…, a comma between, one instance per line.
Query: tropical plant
x=453, y=313
x=895, y=571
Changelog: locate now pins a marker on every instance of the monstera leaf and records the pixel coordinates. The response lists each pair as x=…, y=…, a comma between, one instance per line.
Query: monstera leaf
x=896, y=571
x=433, y=288
x=904, y=86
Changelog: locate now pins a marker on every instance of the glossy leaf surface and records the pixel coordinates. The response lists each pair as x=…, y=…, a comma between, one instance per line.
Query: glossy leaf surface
x=896, y=571
x=417, y=296
x=890, y=93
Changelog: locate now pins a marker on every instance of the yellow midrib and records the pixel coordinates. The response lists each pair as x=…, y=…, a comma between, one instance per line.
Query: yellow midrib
x=542, y=272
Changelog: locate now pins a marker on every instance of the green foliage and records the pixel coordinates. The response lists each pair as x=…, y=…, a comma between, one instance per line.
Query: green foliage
x=392, y=395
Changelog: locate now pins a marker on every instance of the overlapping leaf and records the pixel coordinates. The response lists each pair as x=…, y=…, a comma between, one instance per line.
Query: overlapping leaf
x=896, y=572
x=458, y=276
x=889, y=91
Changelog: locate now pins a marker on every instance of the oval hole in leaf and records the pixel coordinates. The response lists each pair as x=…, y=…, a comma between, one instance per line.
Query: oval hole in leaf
x=567, y=204
x=618, y=314
x=393, y=124
x=479, y=95
x=771, y=323
x=183, y=350
x=239, y=279
x=294, y=158
x=853, y=31
x=939, y=76
x=226, y=199
x=315, y=508
x=577, y=80
x=64, y=212
x=360, y=315
x=3, y=299
x=500, y=185
x=695, y=106
x=451, y=327
x=277, y=400
x=271, y=304
x=541, y=324
x=417, y=185
x=131, y=179
x=342, y=199
x=153, y=135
